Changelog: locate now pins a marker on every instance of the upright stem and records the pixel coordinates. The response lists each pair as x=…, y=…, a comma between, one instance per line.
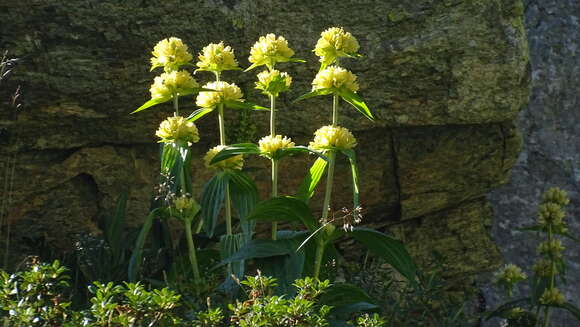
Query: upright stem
x=334, y=110
x=274, y=162
x=176, y=104
x=192, y=254
x=552, y=276
x=272, y=115
x=221, y=122
x=325, y=210
x=274, y=194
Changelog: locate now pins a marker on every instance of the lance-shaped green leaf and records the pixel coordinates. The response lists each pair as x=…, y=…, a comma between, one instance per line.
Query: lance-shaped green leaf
x=137, y=257
x=262, y=249
x=281, y=153
x=570, y=307
x=212, y=200
x=229, y=245
x=311, y=180
x=357, y=102
x=393, y=251
x=244, y=196
x=170, y=155
x=197, y=114
x=234, y=150
x=346, y=299
x=503, y=310
x=151, y=103
x=285, y=208
x=355, y=183
x=313, y=94
x=233, y=104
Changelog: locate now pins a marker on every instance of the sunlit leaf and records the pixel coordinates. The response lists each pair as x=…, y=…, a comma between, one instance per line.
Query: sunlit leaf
x=151, y=103
x=197, y=114
x=284, y=209
x=308, y=186
x=244, y=105
x=313, y=94
x=357, y=102
x=234, y=150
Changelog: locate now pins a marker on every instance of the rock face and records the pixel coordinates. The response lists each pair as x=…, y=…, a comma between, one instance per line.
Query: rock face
x=446, y=79
x=551, y=152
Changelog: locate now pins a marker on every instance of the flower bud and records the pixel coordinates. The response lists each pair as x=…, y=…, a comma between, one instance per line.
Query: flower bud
x=552, y=296
x=552, y=248
x=557, y=196
x=550, y=214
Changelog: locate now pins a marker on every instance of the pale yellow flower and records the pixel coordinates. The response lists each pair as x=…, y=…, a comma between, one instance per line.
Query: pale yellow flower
x=510, y=274
x=269, y=50
x=551, y=214
x=329, y=137
x=544, y=267
x=177, y=129
x=269, y=145
x=223, y=92
x=183, y=203
x=335, y=43
x=235, y=162
x=552, y=296
x=174, y=82
x=170, y=53
x=273, y=82
x=335, y=77
x=217, y=57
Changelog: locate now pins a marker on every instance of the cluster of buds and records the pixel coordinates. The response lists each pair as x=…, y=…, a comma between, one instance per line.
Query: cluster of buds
x=332, y=138
x=509, y=276
x=217, y=57
x=177, y=130
x=552, y=296
x=270, y=145
x=223, y=92
x=551, y=212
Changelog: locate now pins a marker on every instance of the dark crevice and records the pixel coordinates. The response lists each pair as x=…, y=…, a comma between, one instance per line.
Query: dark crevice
x=398, y=213
x=504, y=147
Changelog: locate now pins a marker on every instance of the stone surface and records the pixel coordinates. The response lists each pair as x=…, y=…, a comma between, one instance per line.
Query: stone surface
x=551, y=153
x=459, y=65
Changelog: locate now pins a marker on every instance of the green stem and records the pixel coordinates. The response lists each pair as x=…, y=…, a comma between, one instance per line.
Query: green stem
x=176, y=104
x=325, y=210
x=552, y=275
x=192, y=254
x=274, y=193
x=272, y=115
x=334, y=110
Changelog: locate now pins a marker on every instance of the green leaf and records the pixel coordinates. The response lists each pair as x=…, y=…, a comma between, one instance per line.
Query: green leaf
x=244, y=196
x=254, y=65
x=234, y=150
x=151, y=103
x=298, y=149
x=347, y=299
x=284, y=208
x=357, y=102
x=391, y=250
x=355, y=182
x=503, y=310
x=313, y=94
x=568, y=306
x=230, y=244
x=311, y=180
x=197, y=114
x=115, y=224
x=137, y=256
x=212, y=200
x=262, y=249
x=244, y=105
x=296, y=60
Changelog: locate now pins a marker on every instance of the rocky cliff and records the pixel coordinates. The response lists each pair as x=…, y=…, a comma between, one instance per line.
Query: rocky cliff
x=446, y=78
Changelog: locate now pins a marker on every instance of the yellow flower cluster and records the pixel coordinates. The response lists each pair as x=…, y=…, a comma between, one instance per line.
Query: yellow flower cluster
x=175, y=82
x=543, y=267
x=552, y=248
x=170, y=53
x=235, y=162
x=269, y=50
x=223, y=92
x=217, y=57
x=510, y=275
x=177, y=129
x=334, y=77
x=184, y=203
x=270, y=144
x=331, y=137
x=556, y=196
x=335, y=43
x=273, y=82
x=552, y=296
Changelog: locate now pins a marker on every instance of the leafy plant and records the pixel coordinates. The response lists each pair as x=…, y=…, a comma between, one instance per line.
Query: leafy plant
x=549, y=270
